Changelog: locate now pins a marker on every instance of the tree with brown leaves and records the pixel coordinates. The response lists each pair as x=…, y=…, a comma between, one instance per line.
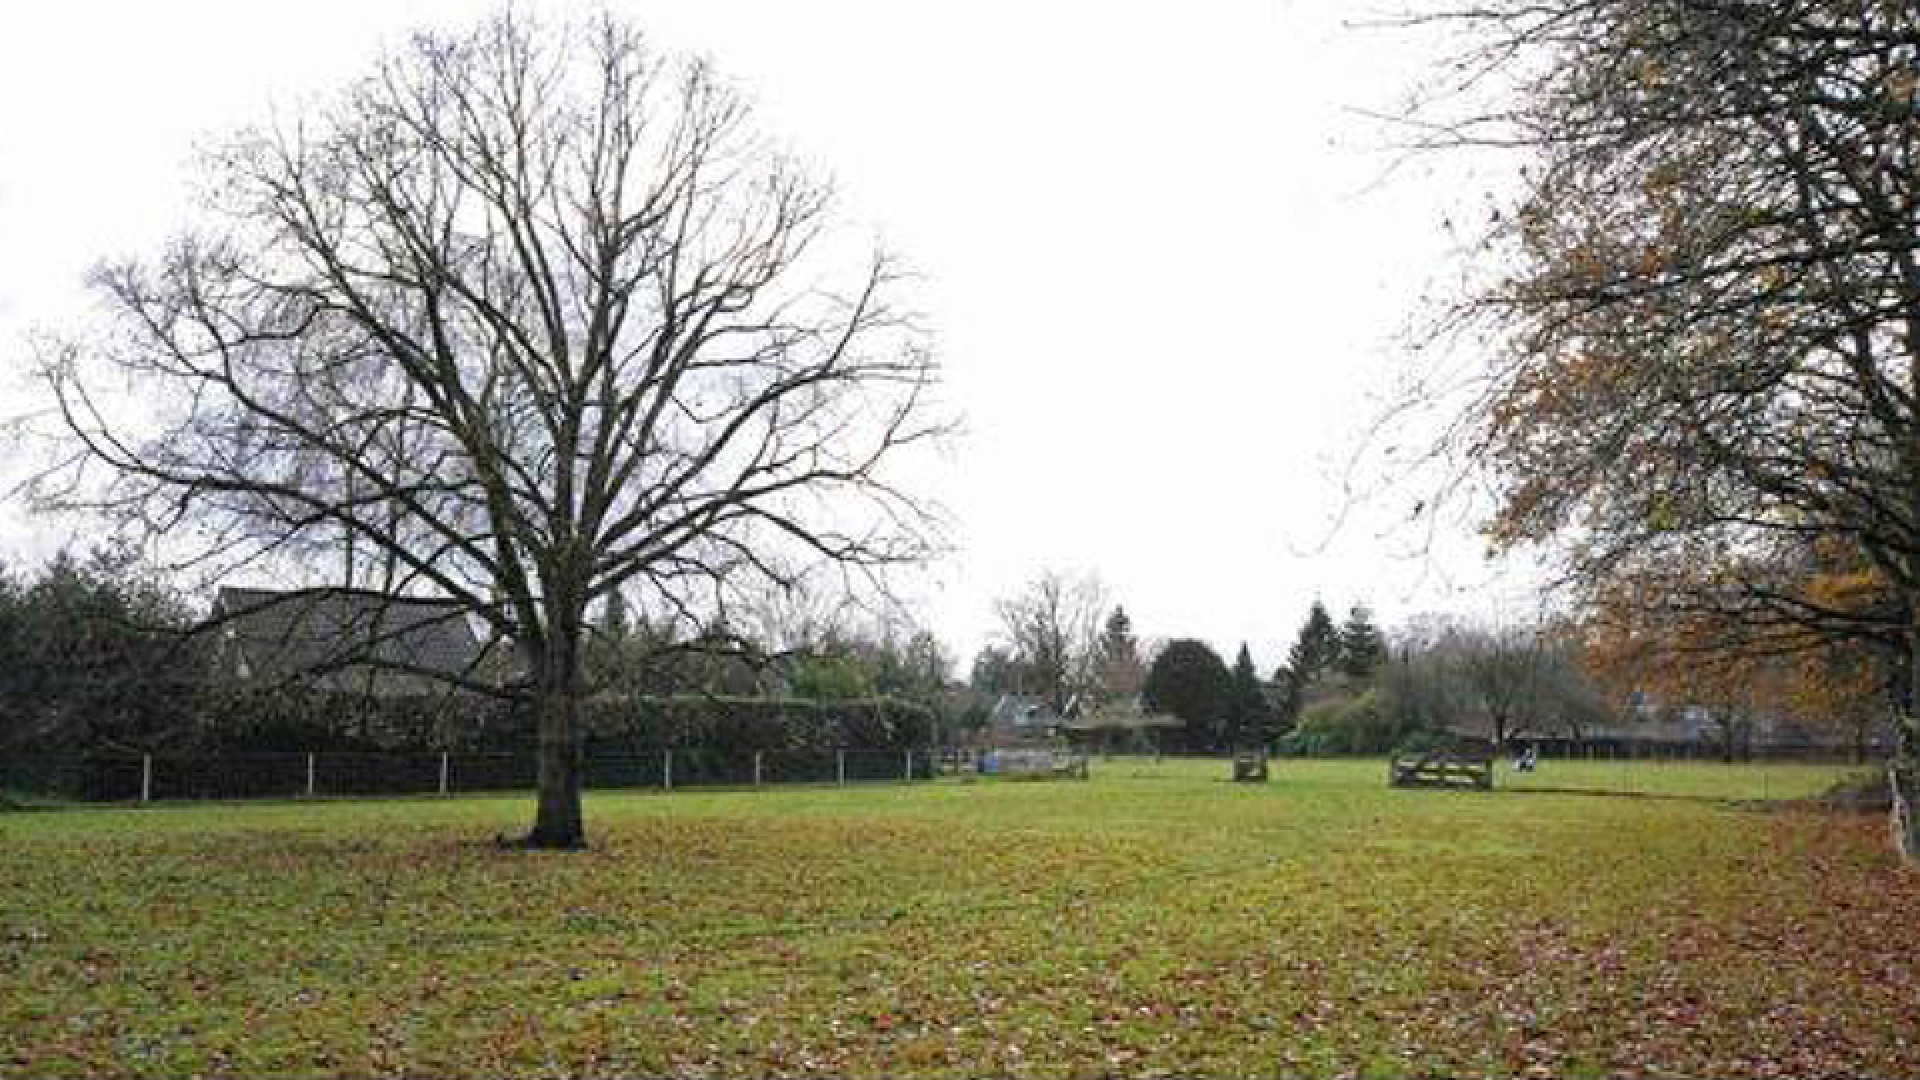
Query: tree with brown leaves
x=1706, y=312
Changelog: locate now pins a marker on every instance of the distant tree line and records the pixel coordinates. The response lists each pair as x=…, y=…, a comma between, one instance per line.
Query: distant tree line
x=1224, y=708
x=100, y=656
x=1345, y=687
x=1446, y=679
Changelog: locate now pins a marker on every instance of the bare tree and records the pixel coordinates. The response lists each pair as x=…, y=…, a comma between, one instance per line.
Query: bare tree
x=1053, y=628
x=1514, y=677
x=1503, y=668
x=534, y=314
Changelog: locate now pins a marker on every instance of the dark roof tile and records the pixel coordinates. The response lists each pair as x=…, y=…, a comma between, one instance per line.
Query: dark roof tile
x=317, y=631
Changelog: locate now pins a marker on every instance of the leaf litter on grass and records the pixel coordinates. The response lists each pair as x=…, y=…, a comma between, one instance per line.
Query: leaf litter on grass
x=1178, y=927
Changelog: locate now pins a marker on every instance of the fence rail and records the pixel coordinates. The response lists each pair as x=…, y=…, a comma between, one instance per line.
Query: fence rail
x=156, y=777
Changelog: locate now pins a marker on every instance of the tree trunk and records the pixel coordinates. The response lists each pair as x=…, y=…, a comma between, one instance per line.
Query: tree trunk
x=558, y=823
x=1903, y=774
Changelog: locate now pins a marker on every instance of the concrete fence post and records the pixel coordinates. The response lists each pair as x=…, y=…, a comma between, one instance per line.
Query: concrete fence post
x=146, y=778
x=443, y=772
x=310, y=771
x=756, y=768
x=666, y=770
x=1905, y=818
x=840, y=767
x=908, y=762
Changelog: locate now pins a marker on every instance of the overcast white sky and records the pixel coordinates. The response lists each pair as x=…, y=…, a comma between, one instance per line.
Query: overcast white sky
x=1166, y=260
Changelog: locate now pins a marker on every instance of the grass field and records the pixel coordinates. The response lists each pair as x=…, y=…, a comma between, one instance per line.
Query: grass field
x=1153, y=922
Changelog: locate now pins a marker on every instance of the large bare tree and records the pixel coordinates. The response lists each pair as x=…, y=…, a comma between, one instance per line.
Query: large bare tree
x=535, y=315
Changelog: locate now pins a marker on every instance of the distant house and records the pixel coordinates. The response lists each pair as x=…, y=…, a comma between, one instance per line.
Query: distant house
x=1020, y=720
x=348, y=640
x=1651, y=728
x=1123, y=726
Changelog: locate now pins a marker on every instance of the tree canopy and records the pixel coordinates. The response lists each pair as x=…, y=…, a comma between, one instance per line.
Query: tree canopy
x=1706, y=304
x=95, y=655
x=1190, y=681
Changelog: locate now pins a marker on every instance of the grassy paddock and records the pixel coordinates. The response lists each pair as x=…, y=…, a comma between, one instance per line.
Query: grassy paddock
x=1680, y=779
x=1155, y=921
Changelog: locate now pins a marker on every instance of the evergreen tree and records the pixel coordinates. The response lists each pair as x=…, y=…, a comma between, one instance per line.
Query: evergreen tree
x=616, y=654
x=1189, y=680
x=1317, y=646
x=1362, y=648
x=15, y=677
x=97, y=656
x=1118, y=671
x=1286, y=705
x=996, y=670
x=1248, y=715
x=1315, y=650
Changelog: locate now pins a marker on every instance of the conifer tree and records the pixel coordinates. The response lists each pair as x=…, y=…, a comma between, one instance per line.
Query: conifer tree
x=1362, y=648
x=1315, y=650
x=1118, y=669
x=1248, y=715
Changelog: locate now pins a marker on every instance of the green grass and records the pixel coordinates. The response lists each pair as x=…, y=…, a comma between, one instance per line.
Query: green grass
x=1681, y=779
x=1155, y=921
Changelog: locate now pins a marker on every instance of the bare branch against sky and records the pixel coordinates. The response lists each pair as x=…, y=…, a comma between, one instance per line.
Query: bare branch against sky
x=1166, y=254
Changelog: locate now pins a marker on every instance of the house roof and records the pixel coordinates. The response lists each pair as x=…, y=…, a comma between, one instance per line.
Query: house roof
x=1018, y=710
x=316, y=632
x=1128, y=715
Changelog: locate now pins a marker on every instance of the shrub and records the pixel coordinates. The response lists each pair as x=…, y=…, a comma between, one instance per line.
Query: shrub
x=290, y=719
x=1362, y=723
